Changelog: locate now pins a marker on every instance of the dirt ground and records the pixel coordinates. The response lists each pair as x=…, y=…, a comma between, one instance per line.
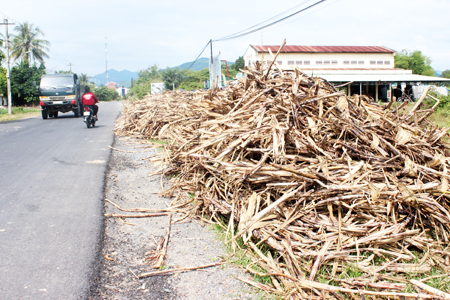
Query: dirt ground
x=126, y=246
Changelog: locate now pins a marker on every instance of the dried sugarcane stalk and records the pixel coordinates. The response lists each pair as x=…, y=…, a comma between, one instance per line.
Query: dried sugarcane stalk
x=176, y=270
x=430, y=289
x=322, y=180
x=135, y=216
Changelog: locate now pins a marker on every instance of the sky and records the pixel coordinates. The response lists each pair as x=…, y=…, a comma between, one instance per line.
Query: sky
x=142, y=33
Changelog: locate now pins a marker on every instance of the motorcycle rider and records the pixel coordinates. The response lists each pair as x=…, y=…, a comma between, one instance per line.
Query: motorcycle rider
x=90, y=100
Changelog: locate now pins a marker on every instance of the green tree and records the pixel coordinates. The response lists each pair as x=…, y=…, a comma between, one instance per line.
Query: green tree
x=445, y=74
x=142, y=86
x=194, y=79
x=151, y=73
x=23, y=90
x=415, y=61
x=239, y=64
x=84, y=78
x=139, y=90
x=105, y=94
x=173, y=77
x=2, y=76
x=26, y=42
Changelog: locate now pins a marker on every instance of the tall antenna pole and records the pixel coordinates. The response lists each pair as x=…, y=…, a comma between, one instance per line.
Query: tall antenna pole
x=8, y=71
x=106, y=58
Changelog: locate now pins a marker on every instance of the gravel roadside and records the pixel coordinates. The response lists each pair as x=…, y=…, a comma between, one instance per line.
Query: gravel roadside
x=127, y=247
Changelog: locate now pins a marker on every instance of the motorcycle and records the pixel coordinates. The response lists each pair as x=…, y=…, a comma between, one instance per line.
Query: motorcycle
x=89, y=117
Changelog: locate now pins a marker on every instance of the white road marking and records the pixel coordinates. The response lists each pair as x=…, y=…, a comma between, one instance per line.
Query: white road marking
x=95, y=162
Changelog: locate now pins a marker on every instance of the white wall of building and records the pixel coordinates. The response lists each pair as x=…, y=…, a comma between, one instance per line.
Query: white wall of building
x=324, y=60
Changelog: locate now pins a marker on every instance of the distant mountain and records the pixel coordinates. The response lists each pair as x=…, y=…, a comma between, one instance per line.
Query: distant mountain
x=200, y=64
x=123, y=78
x=437, y=73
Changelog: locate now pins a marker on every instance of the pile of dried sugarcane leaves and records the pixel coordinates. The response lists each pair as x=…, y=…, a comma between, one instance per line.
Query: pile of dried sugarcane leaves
x=316, y=183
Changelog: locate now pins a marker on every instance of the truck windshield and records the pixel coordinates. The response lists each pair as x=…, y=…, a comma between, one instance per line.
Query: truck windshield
x=49, y=83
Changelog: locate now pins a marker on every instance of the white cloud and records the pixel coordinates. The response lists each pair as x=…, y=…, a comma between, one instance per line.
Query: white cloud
x=168, y=33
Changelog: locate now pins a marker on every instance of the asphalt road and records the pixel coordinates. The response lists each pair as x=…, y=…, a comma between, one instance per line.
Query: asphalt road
x=51, y=211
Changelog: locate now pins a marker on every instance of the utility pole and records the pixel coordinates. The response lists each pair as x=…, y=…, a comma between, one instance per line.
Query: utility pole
x=106, y=58
x=8, y=71
x=70, y=65
x=211, y=67
x=210, y=44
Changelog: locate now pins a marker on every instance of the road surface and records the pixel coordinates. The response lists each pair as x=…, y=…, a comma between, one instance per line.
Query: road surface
x=51, y=211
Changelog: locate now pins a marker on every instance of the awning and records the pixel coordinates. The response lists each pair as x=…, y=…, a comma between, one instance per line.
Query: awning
x=373, y=76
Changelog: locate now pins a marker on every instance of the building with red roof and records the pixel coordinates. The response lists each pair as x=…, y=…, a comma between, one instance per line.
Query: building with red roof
x=367, y=70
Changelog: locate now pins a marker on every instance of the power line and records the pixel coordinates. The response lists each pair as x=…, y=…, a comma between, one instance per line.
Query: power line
x=235, y=36
x=304, y=15
x=246, y=32
x=280, y=14
x=65, y=60
x=199, y=55
x=9, y=18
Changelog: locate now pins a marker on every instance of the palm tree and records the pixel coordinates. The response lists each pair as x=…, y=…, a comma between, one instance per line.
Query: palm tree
x=26, y=43
x=3, y=40
x=84, y=78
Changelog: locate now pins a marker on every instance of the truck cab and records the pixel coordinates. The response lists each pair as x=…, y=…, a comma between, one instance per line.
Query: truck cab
x=60, y=93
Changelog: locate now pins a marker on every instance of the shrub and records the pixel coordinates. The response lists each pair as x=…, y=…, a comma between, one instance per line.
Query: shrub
x=105, y=94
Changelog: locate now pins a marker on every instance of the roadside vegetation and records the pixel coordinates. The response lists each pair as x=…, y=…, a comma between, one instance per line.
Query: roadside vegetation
x=442, y=114
x=180, y=79
x=19, y=113
x=29, y=50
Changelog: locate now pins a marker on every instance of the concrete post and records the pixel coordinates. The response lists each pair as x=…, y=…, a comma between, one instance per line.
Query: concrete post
x=376, y=91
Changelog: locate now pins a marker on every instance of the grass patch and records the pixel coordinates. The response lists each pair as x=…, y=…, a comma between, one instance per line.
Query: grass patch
x=436, y=278
x=159, y=142
x=440, y=117
x=241, y=258
x=19, y=113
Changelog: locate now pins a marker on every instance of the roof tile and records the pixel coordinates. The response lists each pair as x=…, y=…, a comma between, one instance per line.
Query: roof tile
x=324, y=49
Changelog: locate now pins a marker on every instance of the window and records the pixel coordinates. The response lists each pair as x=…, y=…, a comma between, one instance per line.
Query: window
x=360, y=62
x=319, y=62
x=387, y=62
x=280, y=62
x=326, y=62
x=354, y=62
x=373, y=62
x=291, y=62
x=334, y=62
x=380, y=62
x=306, y=62
x=346, y=62
x=298, y=62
